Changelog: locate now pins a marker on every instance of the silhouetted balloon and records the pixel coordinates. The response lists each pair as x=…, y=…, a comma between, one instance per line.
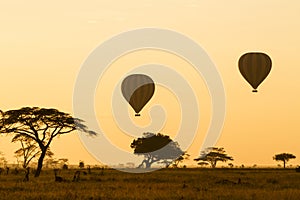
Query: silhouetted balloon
x=137, y=89
x=255, y=67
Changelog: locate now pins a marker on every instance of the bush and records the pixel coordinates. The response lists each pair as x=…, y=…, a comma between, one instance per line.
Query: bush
x=65, y=166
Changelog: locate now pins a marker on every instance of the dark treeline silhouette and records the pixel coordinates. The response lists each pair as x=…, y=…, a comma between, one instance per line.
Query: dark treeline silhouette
x=35, y=128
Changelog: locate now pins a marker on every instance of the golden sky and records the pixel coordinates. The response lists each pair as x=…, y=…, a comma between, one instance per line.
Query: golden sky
x=43, y=45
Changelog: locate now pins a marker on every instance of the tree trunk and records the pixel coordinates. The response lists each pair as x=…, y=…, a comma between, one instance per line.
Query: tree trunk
x=40, y=163
x=284, y=164
x=213, y=164
x=148, y=164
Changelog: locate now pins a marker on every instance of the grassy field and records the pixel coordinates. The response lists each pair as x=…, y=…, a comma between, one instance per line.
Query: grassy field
x=162, y=184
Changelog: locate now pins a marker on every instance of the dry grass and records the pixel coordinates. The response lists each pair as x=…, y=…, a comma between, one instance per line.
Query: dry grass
x=162, y=184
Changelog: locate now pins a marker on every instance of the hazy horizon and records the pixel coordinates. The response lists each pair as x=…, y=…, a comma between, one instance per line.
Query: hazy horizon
x=43, y=46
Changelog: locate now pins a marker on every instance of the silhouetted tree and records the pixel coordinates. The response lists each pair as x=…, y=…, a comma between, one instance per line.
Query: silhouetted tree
x=3, y=160
x=284, y=157
x=41, y=125
x=212, y=155
x=29, y=150
x=180, y=159
x=230, y=165
x=81, y=164
x=65, y=167
x=156, y=148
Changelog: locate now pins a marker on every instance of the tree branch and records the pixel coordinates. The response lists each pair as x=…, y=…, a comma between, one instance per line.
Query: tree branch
x=64, y=132
x=26, y=135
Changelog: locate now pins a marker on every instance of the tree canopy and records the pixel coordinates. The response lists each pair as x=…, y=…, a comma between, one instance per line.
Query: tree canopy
x=284, y=157
x=212, y=155
x=41, y=125
x=156, y=148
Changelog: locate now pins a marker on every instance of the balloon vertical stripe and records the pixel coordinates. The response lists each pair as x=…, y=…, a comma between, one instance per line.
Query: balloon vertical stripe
x=255, y=67
x=137, y=89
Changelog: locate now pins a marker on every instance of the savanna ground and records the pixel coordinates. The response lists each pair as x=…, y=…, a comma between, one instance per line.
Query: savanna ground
x=162, y=184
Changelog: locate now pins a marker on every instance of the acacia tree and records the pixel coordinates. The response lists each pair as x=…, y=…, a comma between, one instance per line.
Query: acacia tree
x=284, y=157
x=41, y=125
x=156, y=148
x=28, y=151
x=212, y=155
x=180, y=159
x=81, y=164
x=3, y=160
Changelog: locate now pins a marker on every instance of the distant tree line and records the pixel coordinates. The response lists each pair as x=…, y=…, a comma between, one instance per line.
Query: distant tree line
x=161, y=149
x=35, y=129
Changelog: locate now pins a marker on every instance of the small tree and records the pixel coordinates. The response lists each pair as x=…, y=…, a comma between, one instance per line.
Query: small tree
x=180, y=159
x=230, y=165
x=28, y=151
x=284, y=157
x=3, y=160
x=156, y=148
x=212, y=155
x=81, y=164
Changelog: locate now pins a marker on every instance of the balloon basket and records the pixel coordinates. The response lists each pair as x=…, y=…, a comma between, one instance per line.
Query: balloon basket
x=137, y=115
x=254, y=91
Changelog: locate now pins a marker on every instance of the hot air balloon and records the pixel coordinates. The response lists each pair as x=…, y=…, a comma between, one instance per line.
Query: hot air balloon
x=255, y=67
x=137, y=89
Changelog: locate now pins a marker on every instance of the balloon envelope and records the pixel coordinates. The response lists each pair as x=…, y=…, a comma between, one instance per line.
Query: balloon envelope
x=137, y=89
x=255, y=67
